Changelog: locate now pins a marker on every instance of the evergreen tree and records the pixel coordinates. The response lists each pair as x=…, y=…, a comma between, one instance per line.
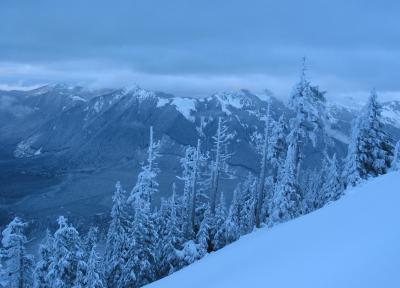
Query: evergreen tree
x=192, y=164
x=263, y=171
x=94, y=275
x=146, y=184
x=308, y=125
x=332, y=186
x=370, y=151
x=277, y=147
x=91, y=239
x=286, y=202
x=203, y=235
x=43, y=266
x=67, y=267
x=172, y=242
x=219, y=165
x=18, y=265
x=140, y=268
x=117, y=242
x=247, y=200
x=219, y=240
x=396, y=158
x=232, y=223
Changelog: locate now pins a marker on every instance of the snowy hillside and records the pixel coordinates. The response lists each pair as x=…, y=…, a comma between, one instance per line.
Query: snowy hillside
x=353, y=242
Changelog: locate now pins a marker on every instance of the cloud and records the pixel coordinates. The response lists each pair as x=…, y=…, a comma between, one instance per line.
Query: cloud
x=194, y=47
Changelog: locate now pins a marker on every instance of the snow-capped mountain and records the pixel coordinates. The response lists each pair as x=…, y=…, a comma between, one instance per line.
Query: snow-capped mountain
x=57, y=139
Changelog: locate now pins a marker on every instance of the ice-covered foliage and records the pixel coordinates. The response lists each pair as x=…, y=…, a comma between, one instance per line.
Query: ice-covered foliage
x=18, y=265
x=396, y=157
x=370, y=151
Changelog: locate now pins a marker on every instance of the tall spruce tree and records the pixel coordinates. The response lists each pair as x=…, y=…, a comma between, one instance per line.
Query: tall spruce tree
x=263, y=171
x=43, y=265
x=219, y=236
x=67, y=267
x=219, y=165
x=115, y=256
x=140, y=268
x=287, y=199
x=18, y=264
x=370, y=151
x=94, y=275
x=333, y=185
x=396, y=158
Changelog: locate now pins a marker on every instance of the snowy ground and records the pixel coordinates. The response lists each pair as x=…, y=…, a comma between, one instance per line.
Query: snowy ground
x=354, y=242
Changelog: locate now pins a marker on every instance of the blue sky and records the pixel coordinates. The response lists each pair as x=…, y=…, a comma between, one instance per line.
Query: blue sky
x=197, y=47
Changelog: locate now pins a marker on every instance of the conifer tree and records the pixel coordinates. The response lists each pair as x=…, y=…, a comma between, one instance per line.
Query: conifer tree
x=67, y=268
x=94, y=275
x=396, y=158
x=286, y=201
x=247, y=200
x=203, y=235
x=18, y=264
x=172, y=242
x=232, y=228
x=332, y=186
x=117, y=238
x=308, y=103
x=219, y=235
x=370, y=151
x=263, y=171
x=277, y=147
x=219, y=165
x=43, y=266
x=192, y=164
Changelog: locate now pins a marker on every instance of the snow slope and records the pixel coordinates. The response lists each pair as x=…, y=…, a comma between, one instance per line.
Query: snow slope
x=354, y=242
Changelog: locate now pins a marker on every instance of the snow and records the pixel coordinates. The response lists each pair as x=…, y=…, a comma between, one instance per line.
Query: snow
x=353, y=242
x=391, y=115
x=78, y=98
x=234, y=99
x=162, y=102
x=185, y=106
x=24, y=148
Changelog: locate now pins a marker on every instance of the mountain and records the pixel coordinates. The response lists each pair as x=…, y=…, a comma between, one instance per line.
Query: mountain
x=350, y=243
x=62, y=148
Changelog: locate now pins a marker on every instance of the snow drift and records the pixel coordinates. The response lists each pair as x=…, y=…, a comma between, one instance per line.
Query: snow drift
x=354, y=242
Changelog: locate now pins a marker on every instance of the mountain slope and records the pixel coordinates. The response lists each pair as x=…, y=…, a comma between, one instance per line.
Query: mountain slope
x=353, y=242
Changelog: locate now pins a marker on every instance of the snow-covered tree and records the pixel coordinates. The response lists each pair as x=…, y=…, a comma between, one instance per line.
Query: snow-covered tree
x=203, y=235
x=94, y=274
x=67, y=268
x=172, y=242
x=311, y=187
x=43, y=266
x=308, y=103
x=192, y=164
x=140, y=268
x=263, y=171
x=247, y=200
x=332, y=187
x=396, y=158
x=18, y=264
x=277, y=147
x=219, y=235
x=219, y=165
x=287, y=198
x=91, y=239
x=117, y=242
x=232, y=223
x=370, y=151
x=146, y=184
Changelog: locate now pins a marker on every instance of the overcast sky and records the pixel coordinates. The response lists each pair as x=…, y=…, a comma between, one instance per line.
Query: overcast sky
x=197, y=47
